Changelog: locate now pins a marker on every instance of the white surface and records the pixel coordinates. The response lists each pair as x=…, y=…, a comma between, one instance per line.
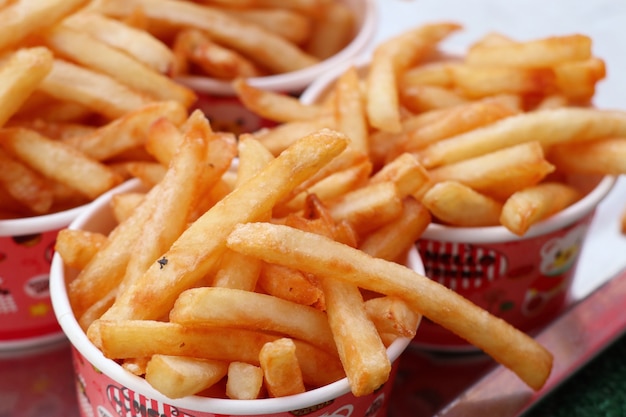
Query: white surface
x=604, y=21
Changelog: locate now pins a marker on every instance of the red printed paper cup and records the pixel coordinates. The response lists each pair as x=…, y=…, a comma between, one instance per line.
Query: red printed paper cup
x=523, y=280
x=105, y=389
x=26, y=248
x=217, y=99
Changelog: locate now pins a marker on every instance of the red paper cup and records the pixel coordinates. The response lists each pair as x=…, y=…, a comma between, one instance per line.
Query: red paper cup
x=523, y=280
x=217, y=99
x=106, y=389
x=26, y=248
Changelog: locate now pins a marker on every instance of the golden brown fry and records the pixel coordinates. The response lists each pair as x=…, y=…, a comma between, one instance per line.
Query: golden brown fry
x=228, y=307
x=500, y=173
x=390, y=59
x=533, y=204
x=177, y=376
x=20, y=75
x=331, y=31
x=548, y=127
x=456, y=204
x=281, y=369
x=542, y=52
x=244, y=381
x=275, y=106
x=423, y=98
x=350, y=110
x=603, y=156
x=77, y=247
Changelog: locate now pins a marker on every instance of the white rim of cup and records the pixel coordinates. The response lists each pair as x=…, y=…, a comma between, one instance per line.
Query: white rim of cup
x=39, y=224
x=296, y=81
x=73, y=331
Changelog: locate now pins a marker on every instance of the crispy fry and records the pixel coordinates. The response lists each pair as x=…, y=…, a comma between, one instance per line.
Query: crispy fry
x=602, y=156
x=533, y=204
x=77, y=247
x=281, y=369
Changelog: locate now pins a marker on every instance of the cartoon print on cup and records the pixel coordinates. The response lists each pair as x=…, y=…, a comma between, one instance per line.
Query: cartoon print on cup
x=558, y=255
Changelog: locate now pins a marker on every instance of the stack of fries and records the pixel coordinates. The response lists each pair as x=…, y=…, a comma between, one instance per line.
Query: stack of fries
x=226, y=39
x=203, y=277
x=498, y=134
x=79, y=91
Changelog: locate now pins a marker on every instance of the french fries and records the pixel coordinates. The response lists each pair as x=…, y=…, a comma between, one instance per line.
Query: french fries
x=286, y=266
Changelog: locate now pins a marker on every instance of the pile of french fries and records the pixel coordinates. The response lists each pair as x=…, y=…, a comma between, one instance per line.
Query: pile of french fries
x=78, y=92
x=499, y=134
x=225, y=39
x=234, y=280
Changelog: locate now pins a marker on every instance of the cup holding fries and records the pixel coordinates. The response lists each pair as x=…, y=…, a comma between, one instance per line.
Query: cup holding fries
x=105, y=384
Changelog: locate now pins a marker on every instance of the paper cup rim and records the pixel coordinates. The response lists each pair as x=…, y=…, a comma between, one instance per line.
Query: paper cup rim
x=38, y=224
x=296, y=81
x=79, y=340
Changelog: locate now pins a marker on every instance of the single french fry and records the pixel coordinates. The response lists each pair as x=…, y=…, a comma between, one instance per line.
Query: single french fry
x=244, y=381
x=289, y=24
x=548, y=127
x=150, y=173
x=275, y=106
x=277, y=54
x=281, y=369
x=350, y=110
x=22, y=18
x=390, y=58
x=278, y=138
x=423, y=98
x=140, y=44
x=291, y=285
x=552, y=101
x=213, y=306
x=500, y=173
x=311, y=252
x=544, y=52
x=177, y=376
x=368, y=207
x=405, y=171
x=457, y=120
x=100, y=93
x=478, y=81
x=118, y=340
x=391, y=241
x=360, y=348
x=237, y=271
x=128, y=131
x=603, y=156
x=162, y=139
x=20, y=75
x=46, y=156
x=623, y=222
x=435, y=73
x=577, y=80
x=456, y=204
x=212, y=59
x=77, y=247
x=188, y=260
x=533, y=204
